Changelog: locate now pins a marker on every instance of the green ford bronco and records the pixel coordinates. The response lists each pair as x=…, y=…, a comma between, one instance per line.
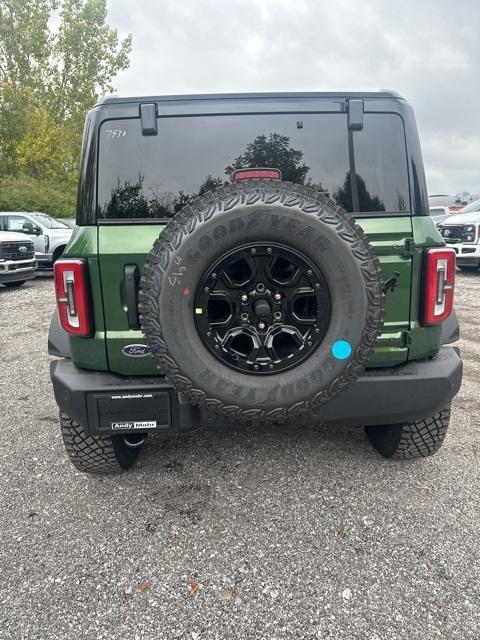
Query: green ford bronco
x=257, y=259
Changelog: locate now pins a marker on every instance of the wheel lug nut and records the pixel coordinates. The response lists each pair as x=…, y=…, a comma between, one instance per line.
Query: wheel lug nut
x=207, y=289
x=214, y=276
x=270, y=366
x=261, y=326
x=244, y=316
x=277, y=296
x=277, y=315
x=269, y=250
x=260, y=287
x=244, y=297
x=253, y=251
x=309, y=272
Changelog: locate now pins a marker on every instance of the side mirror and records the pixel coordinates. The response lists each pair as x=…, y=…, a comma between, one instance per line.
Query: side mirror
x=28, y=228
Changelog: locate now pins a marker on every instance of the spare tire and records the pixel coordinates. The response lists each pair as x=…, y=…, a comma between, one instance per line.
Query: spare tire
x=261, y=301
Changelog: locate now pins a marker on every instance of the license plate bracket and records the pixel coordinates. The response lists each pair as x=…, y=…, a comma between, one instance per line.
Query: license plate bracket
x=123, y=411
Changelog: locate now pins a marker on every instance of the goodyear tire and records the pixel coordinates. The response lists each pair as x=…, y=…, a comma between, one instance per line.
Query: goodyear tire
x=301, y=222
x=410, y=440
x=95, y=454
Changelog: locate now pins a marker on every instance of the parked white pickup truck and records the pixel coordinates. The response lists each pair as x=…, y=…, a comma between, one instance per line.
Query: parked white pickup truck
x=462, y=232
x=49, y=236
x=17, y=259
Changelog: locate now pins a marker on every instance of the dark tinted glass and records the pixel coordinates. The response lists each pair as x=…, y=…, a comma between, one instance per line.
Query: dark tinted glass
x=381, y=164
x=154, y=176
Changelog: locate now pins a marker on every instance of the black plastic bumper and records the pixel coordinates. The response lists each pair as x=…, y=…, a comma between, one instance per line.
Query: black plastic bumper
x=106, y=403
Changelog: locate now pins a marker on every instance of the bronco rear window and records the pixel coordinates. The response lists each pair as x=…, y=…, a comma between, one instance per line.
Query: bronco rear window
x=154, y=176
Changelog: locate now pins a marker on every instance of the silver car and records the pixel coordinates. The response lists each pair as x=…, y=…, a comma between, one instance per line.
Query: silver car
x=49, y=235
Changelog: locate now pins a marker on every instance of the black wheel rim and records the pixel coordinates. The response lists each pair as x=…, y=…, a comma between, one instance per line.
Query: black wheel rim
x=262, y=308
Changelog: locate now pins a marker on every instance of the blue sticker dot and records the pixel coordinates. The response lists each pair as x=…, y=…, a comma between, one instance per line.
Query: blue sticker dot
x=341, y=349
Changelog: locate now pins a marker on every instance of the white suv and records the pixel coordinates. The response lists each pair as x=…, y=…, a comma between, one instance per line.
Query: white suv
x=49, y=236
x=462, y=232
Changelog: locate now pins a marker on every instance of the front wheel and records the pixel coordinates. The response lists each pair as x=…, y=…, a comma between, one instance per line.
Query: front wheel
x=97, y=454
x=14, y=285
x=417, y=439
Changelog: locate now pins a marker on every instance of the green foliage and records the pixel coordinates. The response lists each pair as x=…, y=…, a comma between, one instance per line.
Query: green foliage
x=24, y=193
x=366, y=202
x=274, y=151
x=56, y=58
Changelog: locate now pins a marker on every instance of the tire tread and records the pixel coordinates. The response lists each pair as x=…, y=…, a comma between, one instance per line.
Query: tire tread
x=409, y=440
x=90, y=454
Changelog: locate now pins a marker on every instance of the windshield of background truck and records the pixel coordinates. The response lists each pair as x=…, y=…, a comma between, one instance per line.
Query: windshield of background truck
x=48, y=222
x=473, y=206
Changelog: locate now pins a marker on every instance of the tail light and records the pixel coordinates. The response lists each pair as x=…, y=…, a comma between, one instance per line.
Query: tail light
x=73, y=299
x=439, y=280
x=256, y=174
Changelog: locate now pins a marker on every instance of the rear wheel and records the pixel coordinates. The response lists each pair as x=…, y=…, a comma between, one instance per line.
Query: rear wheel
x=98, y=454
x=417, y=439
x=14, y=285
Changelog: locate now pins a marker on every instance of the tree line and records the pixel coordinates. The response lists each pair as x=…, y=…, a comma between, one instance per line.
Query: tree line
x=57, y=57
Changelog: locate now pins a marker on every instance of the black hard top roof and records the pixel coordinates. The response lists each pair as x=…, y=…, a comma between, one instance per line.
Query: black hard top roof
x=114, y=99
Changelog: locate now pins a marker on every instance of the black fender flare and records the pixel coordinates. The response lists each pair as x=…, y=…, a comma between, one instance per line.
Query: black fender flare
x=58, y=339
x=450, y=329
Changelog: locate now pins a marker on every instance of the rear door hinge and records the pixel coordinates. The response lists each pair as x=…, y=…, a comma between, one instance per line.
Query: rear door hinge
x=406, y=338
x=409, y=250
x=355, y=114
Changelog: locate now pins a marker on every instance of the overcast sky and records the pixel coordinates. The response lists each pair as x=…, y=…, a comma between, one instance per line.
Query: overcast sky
x=427, y=50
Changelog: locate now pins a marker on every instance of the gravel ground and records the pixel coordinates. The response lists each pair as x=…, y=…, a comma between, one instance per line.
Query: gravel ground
x=302, y=533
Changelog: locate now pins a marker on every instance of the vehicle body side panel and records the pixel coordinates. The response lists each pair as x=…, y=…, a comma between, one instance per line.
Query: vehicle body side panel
x=119, y=246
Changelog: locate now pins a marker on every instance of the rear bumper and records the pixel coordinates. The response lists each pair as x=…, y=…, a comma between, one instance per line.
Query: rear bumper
x=105, y=403
x=101, y=402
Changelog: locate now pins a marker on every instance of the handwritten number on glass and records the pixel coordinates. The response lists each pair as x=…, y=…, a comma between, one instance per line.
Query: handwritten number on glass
x=115, y=133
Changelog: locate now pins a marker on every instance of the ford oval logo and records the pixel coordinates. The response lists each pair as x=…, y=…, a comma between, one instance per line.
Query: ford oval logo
x=136, y=350
x=23, y=249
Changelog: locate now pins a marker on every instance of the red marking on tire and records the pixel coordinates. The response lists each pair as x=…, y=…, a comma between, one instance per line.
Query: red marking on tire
x=186, y=292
